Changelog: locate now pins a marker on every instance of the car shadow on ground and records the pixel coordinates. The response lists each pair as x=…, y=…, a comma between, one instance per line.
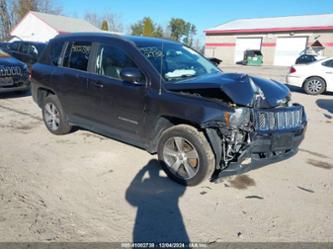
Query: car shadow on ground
x=300, y=90
x=295, y=89
x=12, y=95
x=326, y=104
x=158, y=215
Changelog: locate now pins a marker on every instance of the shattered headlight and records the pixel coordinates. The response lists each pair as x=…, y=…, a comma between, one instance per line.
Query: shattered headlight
x=238, y=119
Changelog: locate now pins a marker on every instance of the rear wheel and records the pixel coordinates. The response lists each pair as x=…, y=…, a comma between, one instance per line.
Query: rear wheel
x=54, y=116
x=186, y=155
x=314, y=86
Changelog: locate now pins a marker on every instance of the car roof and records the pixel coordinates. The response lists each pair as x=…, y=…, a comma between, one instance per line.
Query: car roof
x=100, y=36
x=143, y=40
x=32, y=42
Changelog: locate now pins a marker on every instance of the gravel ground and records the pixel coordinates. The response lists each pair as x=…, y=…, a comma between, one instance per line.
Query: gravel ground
x=86, y=187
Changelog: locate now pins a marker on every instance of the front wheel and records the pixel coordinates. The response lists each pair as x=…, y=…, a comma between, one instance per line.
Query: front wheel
x=54, y=116
x=186, y=155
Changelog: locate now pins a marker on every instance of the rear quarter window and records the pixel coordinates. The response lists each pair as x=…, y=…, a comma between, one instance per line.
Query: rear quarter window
x=52, y=54
x=328, y=63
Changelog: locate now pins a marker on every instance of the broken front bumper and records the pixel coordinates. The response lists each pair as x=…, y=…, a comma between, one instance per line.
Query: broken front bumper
x=264, y=150
x=271, y=142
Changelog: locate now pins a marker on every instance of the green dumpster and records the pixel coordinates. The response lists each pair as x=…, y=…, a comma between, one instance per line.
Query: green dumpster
x=253, y=57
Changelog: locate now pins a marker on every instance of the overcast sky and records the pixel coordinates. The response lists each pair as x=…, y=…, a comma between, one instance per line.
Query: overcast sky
x=203, y=13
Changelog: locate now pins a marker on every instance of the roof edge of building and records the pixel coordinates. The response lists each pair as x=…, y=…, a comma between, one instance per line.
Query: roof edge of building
x=268, y=30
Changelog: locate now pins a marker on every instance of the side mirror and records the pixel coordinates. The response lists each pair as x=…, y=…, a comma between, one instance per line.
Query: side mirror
x=215, y=61
x=130, y=74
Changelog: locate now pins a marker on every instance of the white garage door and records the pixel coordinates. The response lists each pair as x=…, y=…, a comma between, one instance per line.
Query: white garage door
x=243, y=44
x=288, y=49
x=209, y=52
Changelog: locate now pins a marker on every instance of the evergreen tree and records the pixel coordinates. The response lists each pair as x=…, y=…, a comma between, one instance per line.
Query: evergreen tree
x=148, y=28
x=105, y=25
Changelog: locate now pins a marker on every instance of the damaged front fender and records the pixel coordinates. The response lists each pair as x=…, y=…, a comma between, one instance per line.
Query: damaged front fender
x=229, y=136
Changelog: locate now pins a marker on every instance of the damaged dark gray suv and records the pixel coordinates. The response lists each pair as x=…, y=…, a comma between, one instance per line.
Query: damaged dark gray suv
x=166, y=98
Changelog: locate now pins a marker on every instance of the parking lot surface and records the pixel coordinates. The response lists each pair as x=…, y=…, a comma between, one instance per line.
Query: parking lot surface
x=87, y=187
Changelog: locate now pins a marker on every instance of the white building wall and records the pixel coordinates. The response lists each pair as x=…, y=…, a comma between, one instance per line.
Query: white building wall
x=32, y=28
x=223, y=46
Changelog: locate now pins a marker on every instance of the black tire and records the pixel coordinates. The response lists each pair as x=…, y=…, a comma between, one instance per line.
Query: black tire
x=62, y=127
x=314, y=86
x=203, y=166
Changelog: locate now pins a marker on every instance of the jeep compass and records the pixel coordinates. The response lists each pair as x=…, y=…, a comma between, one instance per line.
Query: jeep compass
x=166, y=98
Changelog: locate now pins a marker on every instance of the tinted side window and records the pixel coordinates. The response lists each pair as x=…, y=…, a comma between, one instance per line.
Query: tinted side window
x=14, y=46
x=111, y=60
x=32, y=50
x=77, y=55
x=24, y=48
x=40, y=47
x=328, y=63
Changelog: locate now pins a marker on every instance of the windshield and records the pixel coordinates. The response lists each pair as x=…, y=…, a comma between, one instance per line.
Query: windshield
x=177, y=62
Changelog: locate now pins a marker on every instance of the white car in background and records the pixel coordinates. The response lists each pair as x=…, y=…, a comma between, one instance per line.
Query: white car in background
x=315, y=78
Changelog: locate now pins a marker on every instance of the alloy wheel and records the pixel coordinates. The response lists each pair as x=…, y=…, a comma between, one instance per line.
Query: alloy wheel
x=181, y=157
x=52, y=116
x=314, y=86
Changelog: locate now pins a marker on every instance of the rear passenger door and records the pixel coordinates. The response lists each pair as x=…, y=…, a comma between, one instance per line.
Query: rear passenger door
x=71, y=80
x=122, y=103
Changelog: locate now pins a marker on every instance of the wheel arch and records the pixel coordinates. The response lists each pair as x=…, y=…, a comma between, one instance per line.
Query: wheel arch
x=314, y=76
x=163, y=123
x=42, y=93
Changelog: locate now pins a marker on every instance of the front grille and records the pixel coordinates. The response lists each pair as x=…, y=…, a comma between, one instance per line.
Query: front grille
x=279, y=119
x=6, y=71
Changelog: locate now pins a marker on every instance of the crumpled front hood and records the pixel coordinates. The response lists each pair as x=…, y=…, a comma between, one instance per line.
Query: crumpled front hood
x=242, y=89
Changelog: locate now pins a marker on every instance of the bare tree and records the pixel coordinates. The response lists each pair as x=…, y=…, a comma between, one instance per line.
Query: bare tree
x=49, y=6
x=12, y=11
x=93, y=18
x=113, y=19
x=5, y=20
x=22, y=7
